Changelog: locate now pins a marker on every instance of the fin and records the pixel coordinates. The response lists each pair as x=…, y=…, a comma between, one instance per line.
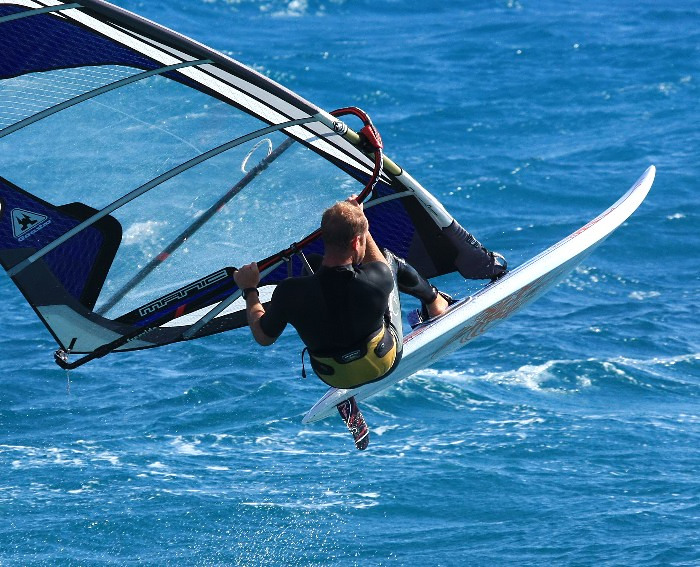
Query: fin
x=352, y=416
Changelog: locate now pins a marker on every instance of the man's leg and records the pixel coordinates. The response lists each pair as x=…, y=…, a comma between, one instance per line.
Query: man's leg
x=393, y=313
x=434, y=302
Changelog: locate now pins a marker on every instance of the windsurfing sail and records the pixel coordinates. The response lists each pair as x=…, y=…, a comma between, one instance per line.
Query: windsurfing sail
x=180, y=164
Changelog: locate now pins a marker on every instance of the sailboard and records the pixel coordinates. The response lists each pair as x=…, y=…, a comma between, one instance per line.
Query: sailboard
x=139, y=168
x=473, y=316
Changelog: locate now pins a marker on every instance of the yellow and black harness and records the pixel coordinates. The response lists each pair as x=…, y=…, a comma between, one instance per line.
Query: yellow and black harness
x=370, y=360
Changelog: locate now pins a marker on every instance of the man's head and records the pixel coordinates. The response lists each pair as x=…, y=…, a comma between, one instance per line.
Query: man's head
x=344, y=227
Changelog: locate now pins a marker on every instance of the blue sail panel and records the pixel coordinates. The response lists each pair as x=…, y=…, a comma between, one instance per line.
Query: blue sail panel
x=79, y=266
x=63, y=44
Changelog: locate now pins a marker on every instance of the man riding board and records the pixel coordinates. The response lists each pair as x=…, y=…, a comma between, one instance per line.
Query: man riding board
x=347, y=313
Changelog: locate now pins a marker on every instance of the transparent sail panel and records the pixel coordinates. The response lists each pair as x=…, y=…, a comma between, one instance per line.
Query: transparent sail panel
x=278, y=207
x=27, y=95
x=107, y=146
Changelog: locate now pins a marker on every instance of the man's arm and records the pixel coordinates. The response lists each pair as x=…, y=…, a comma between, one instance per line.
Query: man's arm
x=372, y=252
x=249, y=276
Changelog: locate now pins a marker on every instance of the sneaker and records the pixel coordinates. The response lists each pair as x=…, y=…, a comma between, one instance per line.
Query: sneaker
x=500, y=266
x=420, y=316
x=352, y=416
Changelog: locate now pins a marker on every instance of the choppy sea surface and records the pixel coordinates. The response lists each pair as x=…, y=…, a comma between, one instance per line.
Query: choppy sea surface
x=569, y=435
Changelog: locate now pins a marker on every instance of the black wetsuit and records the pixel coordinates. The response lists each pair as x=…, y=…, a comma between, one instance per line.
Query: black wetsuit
x=338, y=307
x=332, y=309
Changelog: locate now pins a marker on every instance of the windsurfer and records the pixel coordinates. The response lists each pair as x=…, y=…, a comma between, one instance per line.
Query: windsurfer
x=343, y=312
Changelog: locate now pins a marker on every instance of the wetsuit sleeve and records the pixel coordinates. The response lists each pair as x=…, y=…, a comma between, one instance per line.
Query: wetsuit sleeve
x=379, y=274
x=275, y=319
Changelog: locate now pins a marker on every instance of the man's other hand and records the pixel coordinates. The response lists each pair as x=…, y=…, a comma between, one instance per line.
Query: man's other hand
x=247, y=276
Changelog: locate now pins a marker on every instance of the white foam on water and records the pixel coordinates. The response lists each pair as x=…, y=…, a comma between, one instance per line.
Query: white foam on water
x=642, y=295
x=184, y=447
x=535, y=377
x=382, y=429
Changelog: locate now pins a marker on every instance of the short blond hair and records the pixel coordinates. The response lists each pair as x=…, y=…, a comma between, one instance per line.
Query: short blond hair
x=341, y=223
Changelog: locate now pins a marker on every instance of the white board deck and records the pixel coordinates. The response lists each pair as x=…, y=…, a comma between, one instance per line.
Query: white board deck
x=475, y=315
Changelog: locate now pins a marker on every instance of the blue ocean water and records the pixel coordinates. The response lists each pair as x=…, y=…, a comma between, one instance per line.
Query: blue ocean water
x=568, y=435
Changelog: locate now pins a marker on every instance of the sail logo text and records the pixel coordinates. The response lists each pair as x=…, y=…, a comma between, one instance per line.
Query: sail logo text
x=182, y=293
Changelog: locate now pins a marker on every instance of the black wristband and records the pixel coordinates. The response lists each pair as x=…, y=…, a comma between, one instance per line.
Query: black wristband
x=247, y=290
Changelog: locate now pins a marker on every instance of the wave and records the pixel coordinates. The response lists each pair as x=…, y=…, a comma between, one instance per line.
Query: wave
x=678, y=372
